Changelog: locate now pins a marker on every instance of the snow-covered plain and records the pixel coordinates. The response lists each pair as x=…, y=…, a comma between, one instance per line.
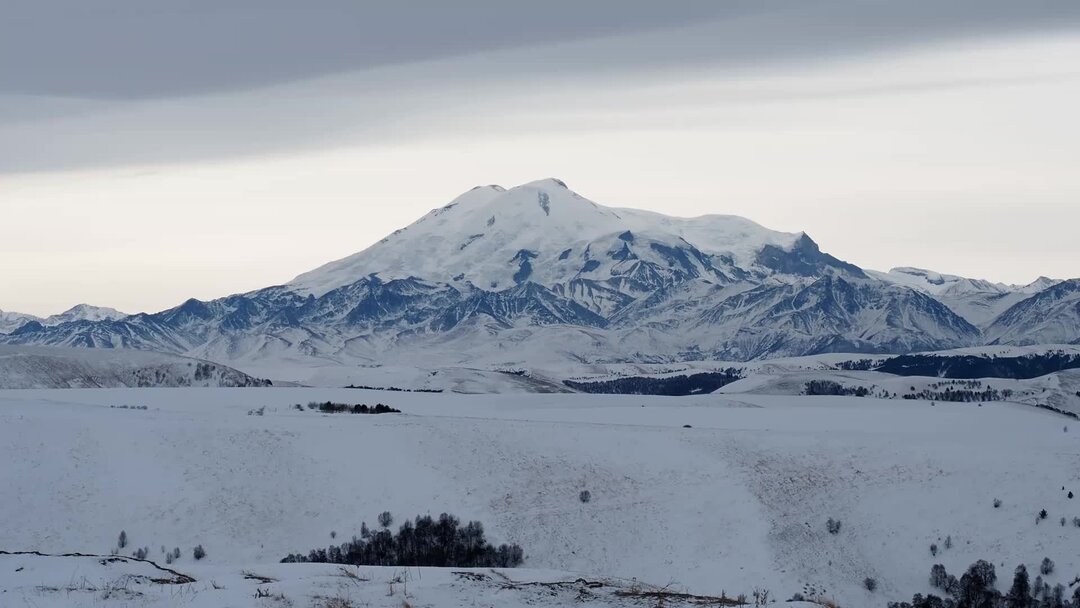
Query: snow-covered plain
x=735, y=501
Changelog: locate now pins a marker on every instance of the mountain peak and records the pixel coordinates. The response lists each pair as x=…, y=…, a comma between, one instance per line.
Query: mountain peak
x=547, y=182
x=478, y=238
x=1038, y=285
x=85, y=312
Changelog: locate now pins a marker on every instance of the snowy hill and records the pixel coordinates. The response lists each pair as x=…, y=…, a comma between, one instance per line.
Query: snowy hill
x=49, y=367
x=538, y=275
x=732, y=493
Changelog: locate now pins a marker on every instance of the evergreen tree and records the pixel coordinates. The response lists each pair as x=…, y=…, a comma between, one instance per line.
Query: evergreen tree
x=977, y=586
x=938, y=576
x=1019, y=595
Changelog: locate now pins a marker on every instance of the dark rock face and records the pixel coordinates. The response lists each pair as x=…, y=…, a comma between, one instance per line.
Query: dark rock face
x=805, y=259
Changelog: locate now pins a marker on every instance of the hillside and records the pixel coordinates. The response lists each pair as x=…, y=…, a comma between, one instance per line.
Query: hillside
x=55, y=367
x=733, y=493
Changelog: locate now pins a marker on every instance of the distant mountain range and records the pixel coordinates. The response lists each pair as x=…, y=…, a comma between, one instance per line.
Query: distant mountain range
x=10, y=321
x=538, y=275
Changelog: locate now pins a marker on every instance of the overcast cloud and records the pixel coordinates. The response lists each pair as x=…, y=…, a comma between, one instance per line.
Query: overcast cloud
x=925, y=133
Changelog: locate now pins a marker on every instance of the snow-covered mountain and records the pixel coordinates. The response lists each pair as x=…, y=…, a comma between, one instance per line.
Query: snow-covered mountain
x=538, y=274
x=84, y=312
x=1050, y=316
x=10, y=321
x=978, y=301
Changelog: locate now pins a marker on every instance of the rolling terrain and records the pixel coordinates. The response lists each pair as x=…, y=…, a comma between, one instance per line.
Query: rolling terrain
x=733, y=493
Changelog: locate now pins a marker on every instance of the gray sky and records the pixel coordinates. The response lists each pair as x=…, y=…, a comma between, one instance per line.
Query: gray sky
x=151, y=152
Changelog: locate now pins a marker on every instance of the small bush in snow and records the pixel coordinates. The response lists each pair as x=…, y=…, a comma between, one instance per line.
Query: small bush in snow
x=1076, y=522
x=141, y=553
x=1063, y=522
x=1047, y=566
x=176, y=553
x=123, y=540
x=585, y=496
x=198, y=552
x=833, y=526
x=997, y=503
x=948, y=542
x=168, y=558
x=1042, y=514
x=933, y=549
x=870, y=584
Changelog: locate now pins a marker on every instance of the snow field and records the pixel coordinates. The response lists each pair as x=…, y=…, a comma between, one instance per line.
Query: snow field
x=739, y=500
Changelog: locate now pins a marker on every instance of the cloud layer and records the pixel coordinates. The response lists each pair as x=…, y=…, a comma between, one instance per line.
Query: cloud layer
x=153, y=153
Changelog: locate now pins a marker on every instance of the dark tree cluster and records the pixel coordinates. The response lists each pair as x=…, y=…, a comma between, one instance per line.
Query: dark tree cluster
x=204, y=371
x=329, y=407
x=395, y=389
x=859, y=365
x=973, y=366
x=829, y=387
x=425, y=541
x=976, y=589
x=672, y=386
x=963, y=391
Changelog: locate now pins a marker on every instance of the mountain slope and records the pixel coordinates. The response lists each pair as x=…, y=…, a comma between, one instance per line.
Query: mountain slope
x=1051, y=316
x=537, y=274
x=10, y=321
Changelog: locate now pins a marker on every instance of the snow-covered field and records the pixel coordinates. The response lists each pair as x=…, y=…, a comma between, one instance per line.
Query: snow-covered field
x=736, y=501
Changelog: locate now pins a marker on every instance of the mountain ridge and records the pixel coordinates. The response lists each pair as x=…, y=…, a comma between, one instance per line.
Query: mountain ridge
x=539, y=274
